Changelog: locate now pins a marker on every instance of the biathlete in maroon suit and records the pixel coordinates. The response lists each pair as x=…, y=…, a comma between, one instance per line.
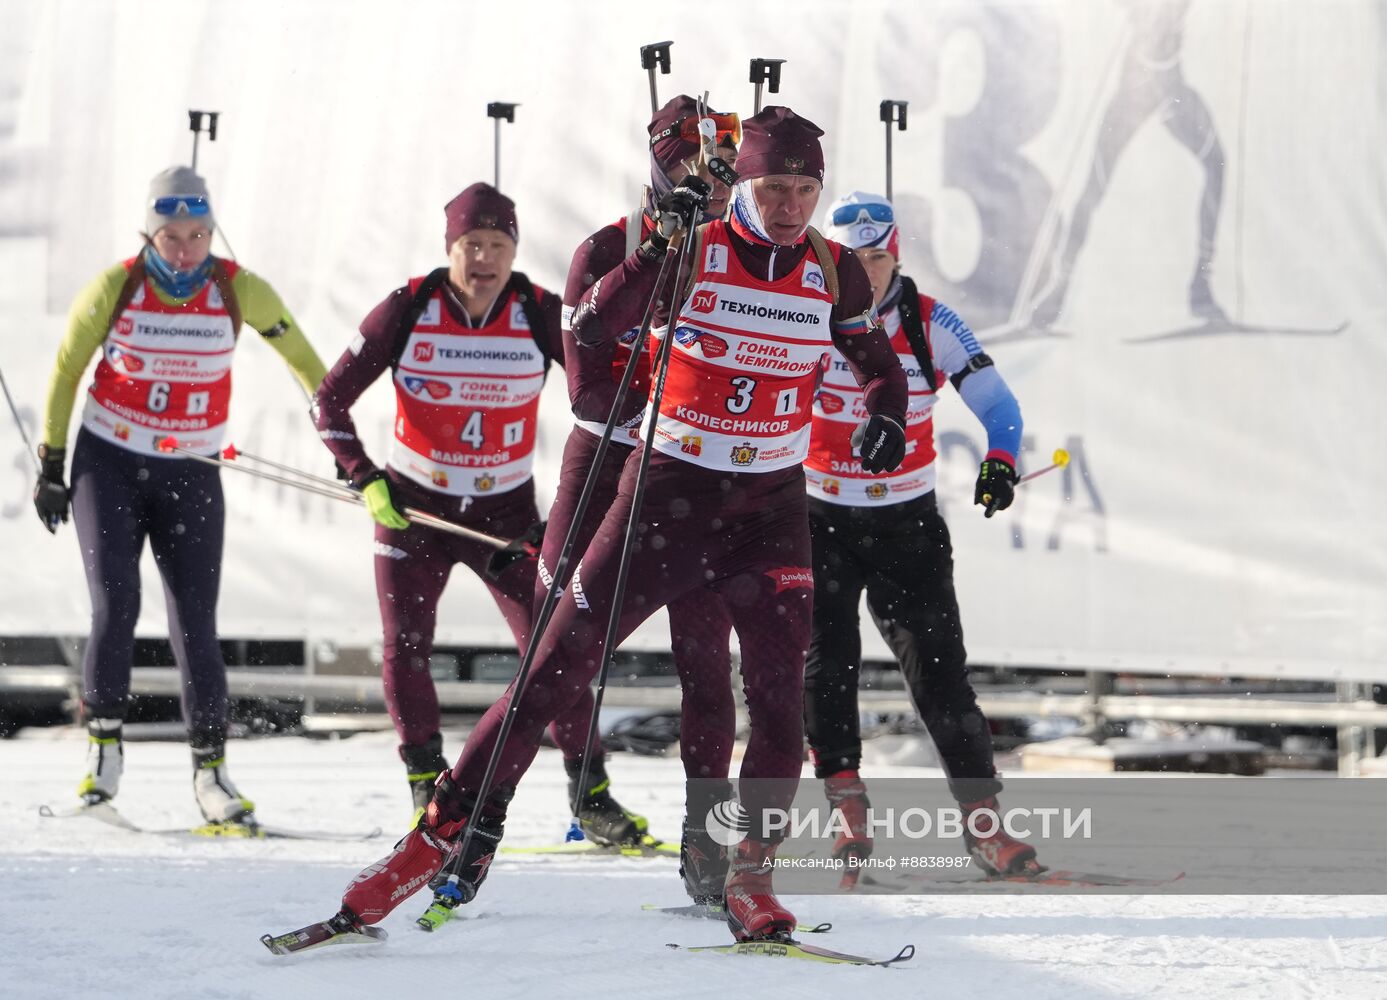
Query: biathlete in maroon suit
x=468, y=348
x=724, y=505
x=699, y=624
x=884, y=535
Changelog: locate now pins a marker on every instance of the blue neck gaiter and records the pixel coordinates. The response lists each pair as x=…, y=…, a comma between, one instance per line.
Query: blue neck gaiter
x=176, y=284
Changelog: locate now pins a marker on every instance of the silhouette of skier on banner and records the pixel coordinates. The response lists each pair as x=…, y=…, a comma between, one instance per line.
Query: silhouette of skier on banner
x=1150, y=82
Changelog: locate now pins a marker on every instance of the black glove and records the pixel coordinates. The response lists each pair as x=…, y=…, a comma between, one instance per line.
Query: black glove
x=880, y=443
x=50, y=492
x=527, y=546
x=342, y=473
x=996, y=486
x=682, y=208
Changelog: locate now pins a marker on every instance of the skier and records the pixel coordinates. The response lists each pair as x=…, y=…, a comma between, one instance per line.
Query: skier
x=699, y=623
x=167, y=323
x=885, y=535
x=724, y=505
x=468, y=348
x=1151, y=82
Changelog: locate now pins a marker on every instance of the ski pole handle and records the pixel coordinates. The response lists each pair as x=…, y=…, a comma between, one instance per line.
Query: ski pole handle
x=708, y=146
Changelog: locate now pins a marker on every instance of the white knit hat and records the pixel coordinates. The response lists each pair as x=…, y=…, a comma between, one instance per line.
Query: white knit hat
x=181, y=194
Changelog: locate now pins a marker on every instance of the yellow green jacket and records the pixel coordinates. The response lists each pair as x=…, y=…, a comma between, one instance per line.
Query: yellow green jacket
x=89, y=324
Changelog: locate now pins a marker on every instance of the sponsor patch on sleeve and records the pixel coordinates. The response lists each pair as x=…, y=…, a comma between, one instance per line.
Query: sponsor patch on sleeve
x=790, y=577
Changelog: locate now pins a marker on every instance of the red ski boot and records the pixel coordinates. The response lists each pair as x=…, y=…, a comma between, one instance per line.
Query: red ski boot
x=753, y=912
x=848, y=795
x=416, y=859
x=995, y=850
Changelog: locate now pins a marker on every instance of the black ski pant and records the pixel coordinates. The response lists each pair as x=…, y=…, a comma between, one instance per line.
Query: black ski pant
x=120, y=498
x=901, y=556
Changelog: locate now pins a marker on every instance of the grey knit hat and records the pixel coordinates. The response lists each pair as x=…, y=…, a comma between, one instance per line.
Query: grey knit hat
x=177, y=193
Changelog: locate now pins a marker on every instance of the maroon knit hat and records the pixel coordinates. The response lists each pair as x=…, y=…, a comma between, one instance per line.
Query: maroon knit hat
x=480, y=206
x=778, y=141
x=669, y=149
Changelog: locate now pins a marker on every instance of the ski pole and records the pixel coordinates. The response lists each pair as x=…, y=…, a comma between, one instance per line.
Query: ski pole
x=331, y=491
x=24, y=435
x=892, y=113
x=708, y=152
x=231, y=454
x=498, y=110
x=652, y=55
x=661, y=364
x=765, y=71
x=508, y=553
x=1057, y=461
x=447, y=895
x=195, y=125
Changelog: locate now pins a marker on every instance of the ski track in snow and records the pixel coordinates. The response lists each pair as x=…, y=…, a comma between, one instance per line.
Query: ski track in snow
x=87, y=910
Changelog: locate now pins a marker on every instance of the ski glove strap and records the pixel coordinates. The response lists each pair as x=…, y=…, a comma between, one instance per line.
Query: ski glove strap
x=683, y=207
x=380, y=502
x=50, y=492
x=880, y=443
x=526, y=546
x=996, y=486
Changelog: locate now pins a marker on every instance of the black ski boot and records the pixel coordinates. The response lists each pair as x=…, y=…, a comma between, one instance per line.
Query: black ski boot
x=424, y=762
x=602, y=818
x=703, y=865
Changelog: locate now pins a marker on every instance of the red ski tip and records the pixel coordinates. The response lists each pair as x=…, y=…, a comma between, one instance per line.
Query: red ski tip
x=166, y=444
x=230, y=453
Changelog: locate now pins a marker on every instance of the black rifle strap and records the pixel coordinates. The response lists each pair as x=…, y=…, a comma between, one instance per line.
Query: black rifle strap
x=914, y=327
x=525, y=292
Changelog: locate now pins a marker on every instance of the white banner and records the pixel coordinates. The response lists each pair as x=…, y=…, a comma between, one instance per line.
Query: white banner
x=1166, y=222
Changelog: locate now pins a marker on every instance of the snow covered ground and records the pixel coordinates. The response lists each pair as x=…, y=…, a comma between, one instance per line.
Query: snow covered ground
x=86, y=910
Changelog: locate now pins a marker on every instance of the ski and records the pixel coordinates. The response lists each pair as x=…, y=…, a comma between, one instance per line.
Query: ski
x=649, y=847
x=1046, y=877
x=793, y=949
x=709, y=911
x=262, y=832
x=104, y=812
x=1071, y=878
x=337, y=930
x=1222, y=326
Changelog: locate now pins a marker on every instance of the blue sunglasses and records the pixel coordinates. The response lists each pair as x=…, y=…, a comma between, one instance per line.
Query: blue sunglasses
x=846, y=215
x=182, y=205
